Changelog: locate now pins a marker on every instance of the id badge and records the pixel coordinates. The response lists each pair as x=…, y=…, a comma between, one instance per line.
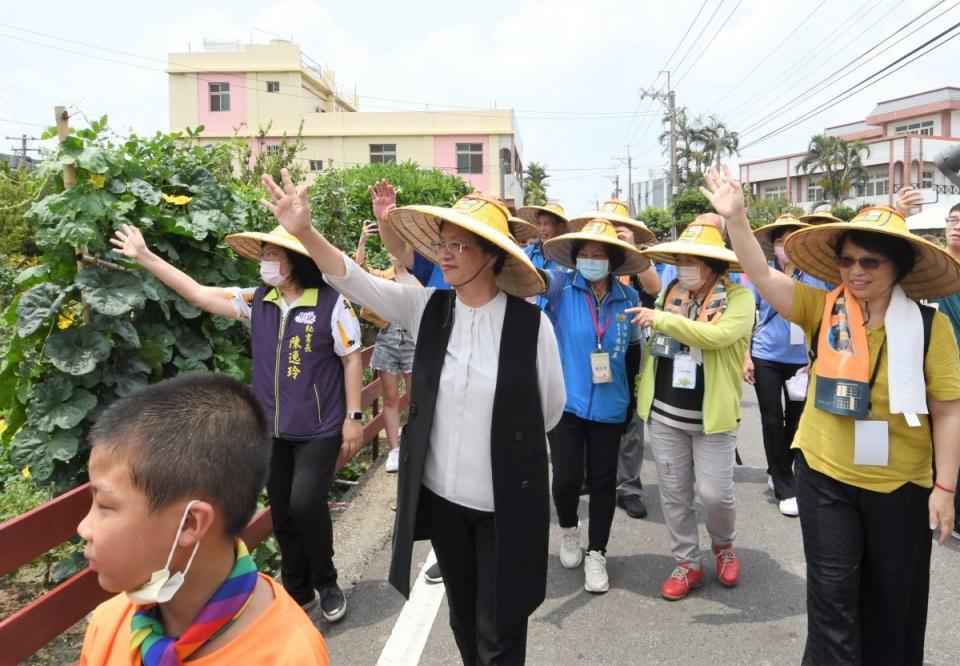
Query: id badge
x=797, y=336
x=684, y=372
x=600, y=367
x=871, y=443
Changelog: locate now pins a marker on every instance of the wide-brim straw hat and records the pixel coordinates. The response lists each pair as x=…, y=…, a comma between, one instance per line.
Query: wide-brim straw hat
x=814, y=251
x=529, y=213
x=250, y=243
x=616, y=212
x=523, y=231
x=702, y=238
x=480, y=215
x=764, y=234
x=820, y=218
x=600, y=231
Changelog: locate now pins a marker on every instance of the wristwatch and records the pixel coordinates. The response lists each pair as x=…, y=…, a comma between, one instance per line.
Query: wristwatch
x=355, y=416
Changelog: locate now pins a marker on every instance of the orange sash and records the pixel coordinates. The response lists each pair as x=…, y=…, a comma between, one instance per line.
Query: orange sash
x=843, y=358
x=678, y=301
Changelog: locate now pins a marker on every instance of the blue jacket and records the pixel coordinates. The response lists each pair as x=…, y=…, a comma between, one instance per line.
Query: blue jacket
x=535, y=253
x=771, y=335
x=567, y=296
x=427, y=272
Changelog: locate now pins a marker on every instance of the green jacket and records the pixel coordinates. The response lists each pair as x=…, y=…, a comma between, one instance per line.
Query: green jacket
x=724, y=344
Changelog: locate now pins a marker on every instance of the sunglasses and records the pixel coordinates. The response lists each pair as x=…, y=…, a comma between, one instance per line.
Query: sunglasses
x=866, y=263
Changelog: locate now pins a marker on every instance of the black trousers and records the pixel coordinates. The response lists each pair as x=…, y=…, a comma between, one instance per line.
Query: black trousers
x=298, y=488
x=868, y=571
x=778, y=423
x=571, y=441
x=464, y=542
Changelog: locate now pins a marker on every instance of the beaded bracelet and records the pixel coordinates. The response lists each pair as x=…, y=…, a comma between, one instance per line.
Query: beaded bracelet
x=952, y=491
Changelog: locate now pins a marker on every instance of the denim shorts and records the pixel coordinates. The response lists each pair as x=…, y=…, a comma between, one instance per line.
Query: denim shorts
x=394, y=350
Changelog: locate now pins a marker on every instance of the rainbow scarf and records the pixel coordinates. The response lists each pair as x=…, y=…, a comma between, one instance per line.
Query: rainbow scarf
x=223, y=608
x=678, y=301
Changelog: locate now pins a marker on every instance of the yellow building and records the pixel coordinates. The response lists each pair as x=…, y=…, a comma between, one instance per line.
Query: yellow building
x=241, y=90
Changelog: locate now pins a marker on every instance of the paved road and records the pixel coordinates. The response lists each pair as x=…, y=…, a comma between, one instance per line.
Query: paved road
x=762, y=621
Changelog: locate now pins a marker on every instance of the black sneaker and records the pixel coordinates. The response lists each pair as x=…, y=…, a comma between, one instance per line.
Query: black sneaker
x=633, y=505
x=433, y=575
x=333, y=603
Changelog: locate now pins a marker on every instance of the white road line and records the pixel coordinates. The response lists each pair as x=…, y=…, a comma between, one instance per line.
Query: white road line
x=409, y=635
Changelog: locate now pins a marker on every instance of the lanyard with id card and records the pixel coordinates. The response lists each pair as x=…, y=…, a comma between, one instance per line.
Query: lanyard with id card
x=871, y=439
x=599, y=360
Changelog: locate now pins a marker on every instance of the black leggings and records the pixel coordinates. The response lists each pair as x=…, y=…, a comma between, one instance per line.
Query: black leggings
x=601, y=441
x=778, y=423
x=298, y=488
x=868, y=571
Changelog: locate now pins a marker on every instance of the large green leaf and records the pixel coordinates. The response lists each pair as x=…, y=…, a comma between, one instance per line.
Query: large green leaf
x=37, y=450
x=126, y=331
x=192, y=345
x=77, y=351
x=112, y=293
x=36, y=305
x=94, y=160
x=58, y=407
x=31, y=276
x=145, y=191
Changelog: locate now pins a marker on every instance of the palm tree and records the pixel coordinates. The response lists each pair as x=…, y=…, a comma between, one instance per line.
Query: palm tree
x=840, y=164
x=720, y=140
x=699, y=144
x=534, y=187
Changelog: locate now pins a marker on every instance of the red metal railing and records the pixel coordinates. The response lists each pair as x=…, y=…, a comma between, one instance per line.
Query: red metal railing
x=34, y=533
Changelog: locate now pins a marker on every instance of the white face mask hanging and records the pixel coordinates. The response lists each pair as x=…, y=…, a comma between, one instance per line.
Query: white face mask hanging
x=162, y=586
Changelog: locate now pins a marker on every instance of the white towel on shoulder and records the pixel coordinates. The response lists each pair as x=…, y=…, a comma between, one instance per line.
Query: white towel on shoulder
x=904, y=328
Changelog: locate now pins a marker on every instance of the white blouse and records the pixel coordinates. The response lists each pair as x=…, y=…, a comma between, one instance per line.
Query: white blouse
x=458, y=466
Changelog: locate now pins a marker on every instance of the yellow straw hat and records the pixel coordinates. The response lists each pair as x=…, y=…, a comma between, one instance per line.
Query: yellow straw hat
x=764, y=234
x=820, y=218
x=814, y=250
x=616, y=212
x=702, y=238
x=250, y=243
x=480, y=215
x=522, y=231
x=529, y=213
x=600, y=231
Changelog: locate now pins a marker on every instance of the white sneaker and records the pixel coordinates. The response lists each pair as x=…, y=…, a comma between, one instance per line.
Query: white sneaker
x=393, y=460
x=788, y=507
x=595, y=573
x=571, y=554
x=769, y=483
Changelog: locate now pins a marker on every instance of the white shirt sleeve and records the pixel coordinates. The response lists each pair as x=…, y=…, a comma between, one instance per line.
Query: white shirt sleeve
x=398, y=303
x=241, y=299
x=345, y=328
x=553, y=394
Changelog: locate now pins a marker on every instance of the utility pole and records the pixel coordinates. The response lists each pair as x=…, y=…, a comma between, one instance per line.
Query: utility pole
x=616, y=186
x=670, y=98
x=630, y=206
x=23, y=139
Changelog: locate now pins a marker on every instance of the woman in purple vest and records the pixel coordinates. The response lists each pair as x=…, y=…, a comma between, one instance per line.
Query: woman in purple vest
x=307, y=376
x=487, y=385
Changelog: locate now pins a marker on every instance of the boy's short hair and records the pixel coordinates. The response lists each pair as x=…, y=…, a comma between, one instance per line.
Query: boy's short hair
x=199, y=435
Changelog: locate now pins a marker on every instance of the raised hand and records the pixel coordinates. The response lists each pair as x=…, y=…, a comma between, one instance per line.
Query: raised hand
x=908, y=199
x=625, y=234
x=724, y=193
x=384, y=198
x=369, y=229
x=289, y=205
x=129, y=242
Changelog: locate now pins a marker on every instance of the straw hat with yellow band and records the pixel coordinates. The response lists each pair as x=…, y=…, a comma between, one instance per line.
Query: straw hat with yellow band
x=480, y=215
x=616, y=212
x=530, y=213
x=600, y=231
x=814, y=250
x=702, y=238
x=522, y=231
x=250, y=243
x=764, y=234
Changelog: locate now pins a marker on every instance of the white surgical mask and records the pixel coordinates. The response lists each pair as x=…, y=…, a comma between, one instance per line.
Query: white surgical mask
x=689, y=277
x=270, y=273
x=781, y=255
x=593, y=269
x=162, y=586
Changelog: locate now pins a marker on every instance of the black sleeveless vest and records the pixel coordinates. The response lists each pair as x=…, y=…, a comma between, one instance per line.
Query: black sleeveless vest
x=517, y=450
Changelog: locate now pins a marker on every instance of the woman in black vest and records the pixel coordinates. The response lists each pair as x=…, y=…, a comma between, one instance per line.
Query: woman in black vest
x=473, y=468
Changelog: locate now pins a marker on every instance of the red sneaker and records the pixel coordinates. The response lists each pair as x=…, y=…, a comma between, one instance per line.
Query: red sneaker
x=728, y=566
x=681, y=581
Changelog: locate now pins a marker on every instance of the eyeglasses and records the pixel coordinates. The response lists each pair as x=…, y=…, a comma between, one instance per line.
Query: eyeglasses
x=952, y=221
x=453, y=247
x=272, y=255
x=866, y=263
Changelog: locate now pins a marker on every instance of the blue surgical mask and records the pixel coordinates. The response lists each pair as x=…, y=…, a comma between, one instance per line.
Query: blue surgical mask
x=593, y=269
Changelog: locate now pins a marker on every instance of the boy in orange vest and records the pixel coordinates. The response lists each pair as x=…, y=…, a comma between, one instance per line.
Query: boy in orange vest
x=175, y=473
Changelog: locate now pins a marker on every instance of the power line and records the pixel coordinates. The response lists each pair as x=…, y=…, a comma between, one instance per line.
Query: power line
x=864, y=84
x=781, y=43
x=806, y=94
x=699, y=35
x=710, y=43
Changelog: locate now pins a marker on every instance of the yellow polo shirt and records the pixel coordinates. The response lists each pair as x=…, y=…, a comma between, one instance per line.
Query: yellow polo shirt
x=827, y=439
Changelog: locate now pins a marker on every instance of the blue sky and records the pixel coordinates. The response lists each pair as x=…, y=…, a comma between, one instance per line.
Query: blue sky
x=572, y=69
